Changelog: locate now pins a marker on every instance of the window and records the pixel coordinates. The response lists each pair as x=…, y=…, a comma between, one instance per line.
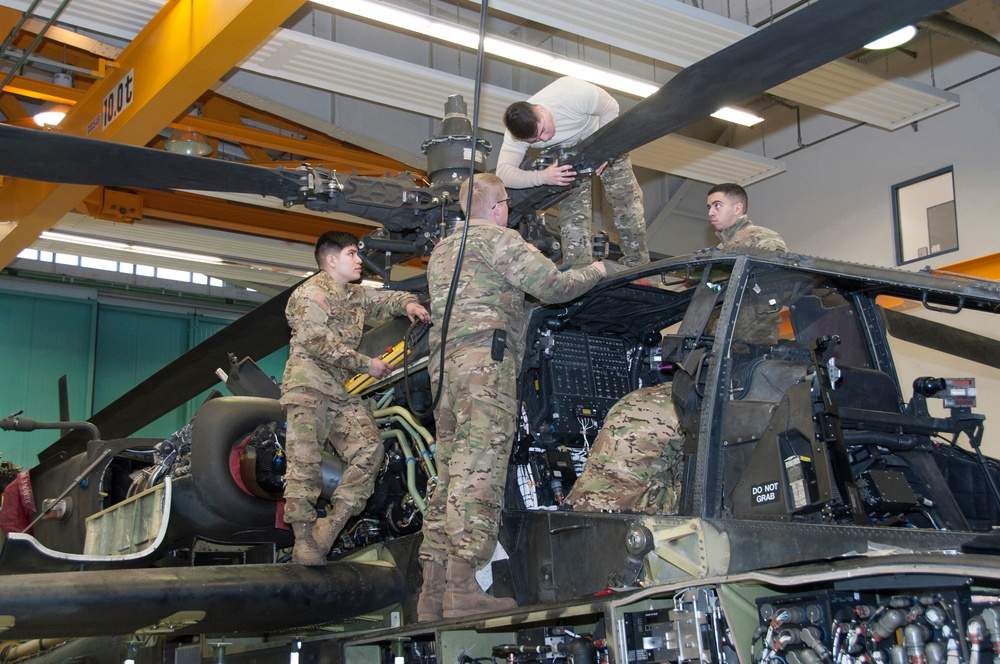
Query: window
x=923, y=211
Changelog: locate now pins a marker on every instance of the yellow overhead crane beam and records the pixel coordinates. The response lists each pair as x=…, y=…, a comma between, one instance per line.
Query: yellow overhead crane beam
x=984, y=267
x=187, y=47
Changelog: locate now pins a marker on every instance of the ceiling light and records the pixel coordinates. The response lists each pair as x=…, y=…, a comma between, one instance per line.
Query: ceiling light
x=51, y=114
x=501, y=48
x=189, y=143
x=893, y=39
x=730, y=114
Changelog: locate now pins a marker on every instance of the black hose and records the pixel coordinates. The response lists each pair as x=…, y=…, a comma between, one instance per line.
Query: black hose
x=891, y=441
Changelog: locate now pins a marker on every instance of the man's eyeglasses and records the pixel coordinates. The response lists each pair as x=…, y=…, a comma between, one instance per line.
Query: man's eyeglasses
x=506, y=200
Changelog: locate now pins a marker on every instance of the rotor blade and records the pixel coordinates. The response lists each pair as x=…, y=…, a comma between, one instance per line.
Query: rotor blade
x=805, y=40
x=941, y=337
x=525, y=203
x=49, y=156
x=256, y=335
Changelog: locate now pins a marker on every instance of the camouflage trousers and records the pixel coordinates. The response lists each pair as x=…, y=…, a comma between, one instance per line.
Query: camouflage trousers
x=637, y=463
x=475, y=423
x=348, y=428
x=622, y=191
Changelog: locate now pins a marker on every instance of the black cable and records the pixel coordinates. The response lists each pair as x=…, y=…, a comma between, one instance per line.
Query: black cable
x=450, y=301
x=407, y=344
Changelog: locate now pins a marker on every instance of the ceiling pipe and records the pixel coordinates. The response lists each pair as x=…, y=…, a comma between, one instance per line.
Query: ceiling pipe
x=948, y=25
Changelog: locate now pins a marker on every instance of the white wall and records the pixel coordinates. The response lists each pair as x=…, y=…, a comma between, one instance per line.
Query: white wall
x=834, y=199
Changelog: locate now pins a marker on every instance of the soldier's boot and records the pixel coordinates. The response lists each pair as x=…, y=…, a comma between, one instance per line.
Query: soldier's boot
x=325, y=530
x=462, y=594
x=305, y=551
x=431, y=592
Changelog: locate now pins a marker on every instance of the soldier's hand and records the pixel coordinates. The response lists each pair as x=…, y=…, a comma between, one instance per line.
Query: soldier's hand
x=557, y=175
x=379, y=368
x=417, y=312
x=602, y=268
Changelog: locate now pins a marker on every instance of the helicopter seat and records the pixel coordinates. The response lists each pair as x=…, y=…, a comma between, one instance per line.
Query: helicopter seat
x=756, y=396
x=866, y=389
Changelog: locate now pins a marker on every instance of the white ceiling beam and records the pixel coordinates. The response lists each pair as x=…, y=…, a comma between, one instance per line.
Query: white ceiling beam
x=320, y=63
x=681, y=35
x=669, y=31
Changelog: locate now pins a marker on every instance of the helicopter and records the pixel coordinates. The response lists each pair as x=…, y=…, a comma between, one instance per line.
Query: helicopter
x=723, y=530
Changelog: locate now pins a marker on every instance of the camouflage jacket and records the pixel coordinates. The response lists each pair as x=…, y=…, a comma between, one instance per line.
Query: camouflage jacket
x=744, y=234
x=498, y=268
x=327, y=321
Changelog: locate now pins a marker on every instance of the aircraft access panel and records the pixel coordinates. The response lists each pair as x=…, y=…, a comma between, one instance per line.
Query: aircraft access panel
x=589, y=374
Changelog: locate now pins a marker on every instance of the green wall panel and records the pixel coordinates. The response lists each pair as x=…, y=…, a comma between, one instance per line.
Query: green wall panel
x=41, y=339
x=104, y=350
x=203, y=329
x=133, y=344
x=273, y=365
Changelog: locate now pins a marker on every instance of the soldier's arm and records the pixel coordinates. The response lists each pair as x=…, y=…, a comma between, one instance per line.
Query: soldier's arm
x=537, y=275
x=772, y=244
x=384, y=304
x=509, y=160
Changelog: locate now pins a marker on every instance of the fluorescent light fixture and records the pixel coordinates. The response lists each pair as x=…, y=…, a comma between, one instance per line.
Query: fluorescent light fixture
x=382, y=13
x=738, y=116
x=602, y=77
x=893, y=39
x=132, y=248
x=453, y=34
x=511, y=51
x=501, y=48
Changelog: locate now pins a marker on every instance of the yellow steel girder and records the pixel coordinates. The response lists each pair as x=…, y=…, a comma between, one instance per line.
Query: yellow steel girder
x=187, y=47
x=208, y=212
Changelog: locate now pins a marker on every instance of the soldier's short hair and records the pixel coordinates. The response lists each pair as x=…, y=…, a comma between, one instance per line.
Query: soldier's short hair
x=332, y=242
x=732, y=190
x=521, y=120
x=487, y=190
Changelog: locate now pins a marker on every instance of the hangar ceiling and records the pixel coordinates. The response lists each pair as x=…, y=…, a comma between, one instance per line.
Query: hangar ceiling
x=278, y=82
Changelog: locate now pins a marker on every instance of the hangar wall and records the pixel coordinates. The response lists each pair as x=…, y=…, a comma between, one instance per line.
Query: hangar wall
x=104, y=347
x=834, y=200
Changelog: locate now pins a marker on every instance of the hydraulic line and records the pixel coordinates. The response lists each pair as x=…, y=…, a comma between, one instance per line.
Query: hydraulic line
x=421, y=436
x=411, y=468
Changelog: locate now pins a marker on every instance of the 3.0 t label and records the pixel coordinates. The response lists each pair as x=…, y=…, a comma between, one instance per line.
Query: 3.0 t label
x=118, y=99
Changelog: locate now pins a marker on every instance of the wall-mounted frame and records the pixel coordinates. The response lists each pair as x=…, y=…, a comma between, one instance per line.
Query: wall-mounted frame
x=923, y=216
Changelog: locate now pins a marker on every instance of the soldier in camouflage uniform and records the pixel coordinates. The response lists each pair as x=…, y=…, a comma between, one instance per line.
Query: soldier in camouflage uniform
x=327, y=314
x=476, y=416
x=727, y=212
x=636, y=463
x=562, y=114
